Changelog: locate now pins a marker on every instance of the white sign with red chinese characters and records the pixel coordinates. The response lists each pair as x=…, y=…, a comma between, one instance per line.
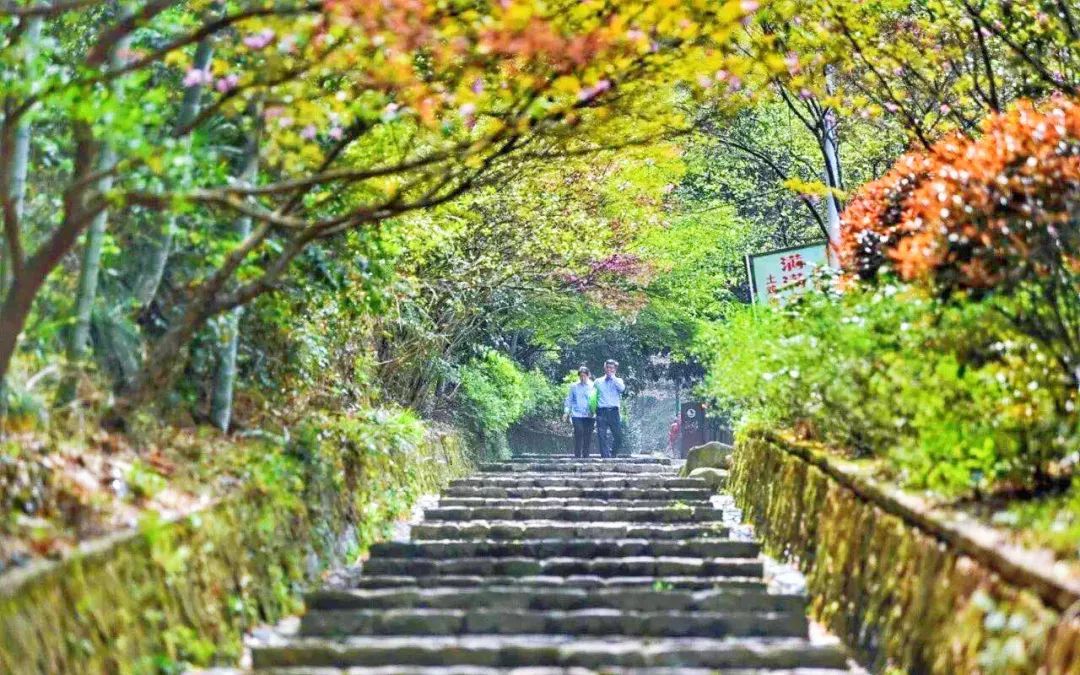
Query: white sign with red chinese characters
x=774, y=275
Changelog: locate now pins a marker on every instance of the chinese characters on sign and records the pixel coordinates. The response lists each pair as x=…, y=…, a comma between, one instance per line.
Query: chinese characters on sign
x=777, y=274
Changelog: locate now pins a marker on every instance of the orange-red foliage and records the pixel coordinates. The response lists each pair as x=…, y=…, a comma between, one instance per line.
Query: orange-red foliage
x=977, y=214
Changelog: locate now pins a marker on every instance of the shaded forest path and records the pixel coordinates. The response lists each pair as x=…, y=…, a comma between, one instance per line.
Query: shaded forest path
x=559, y=565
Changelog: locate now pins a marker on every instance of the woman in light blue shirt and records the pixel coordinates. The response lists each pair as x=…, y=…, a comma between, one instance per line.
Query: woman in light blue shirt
x=578, y=409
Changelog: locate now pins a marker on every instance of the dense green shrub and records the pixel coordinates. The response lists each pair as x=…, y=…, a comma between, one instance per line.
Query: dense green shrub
x=371, y=458
x=494, y=393
x=949, y=393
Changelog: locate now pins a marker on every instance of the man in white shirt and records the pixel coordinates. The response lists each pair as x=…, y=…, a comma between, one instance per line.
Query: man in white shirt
x=609, y=390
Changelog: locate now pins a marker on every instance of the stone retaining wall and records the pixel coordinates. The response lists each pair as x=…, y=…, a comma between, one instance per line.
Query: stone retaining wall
x=907, y=588
x=523, y=439
x=185, y=591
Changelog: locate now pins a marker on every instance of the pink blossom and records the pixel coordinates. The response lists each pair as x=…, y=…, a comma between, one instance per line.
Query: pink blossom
x=477, y=86
x=891, y=107
x=945, y=109
x=749, y=6
x=704, y=81
x=197, y=78
x=792, y=61
x=309, y=132
x=227, y=83
x=805, y=94
x=336, y=133
x=589, y=93
x=126, y=54
x=273, y=112
x=285, y=122
x=259, y=40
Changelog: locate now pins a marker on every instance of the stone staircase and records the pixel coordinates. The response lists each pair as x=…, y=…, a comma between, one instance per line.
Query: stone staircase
x=547, y=564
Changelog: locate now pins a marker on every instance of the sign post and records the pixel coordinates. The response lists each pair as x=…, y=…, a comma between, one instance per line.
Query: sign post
x=691, y=427
x=777, y=275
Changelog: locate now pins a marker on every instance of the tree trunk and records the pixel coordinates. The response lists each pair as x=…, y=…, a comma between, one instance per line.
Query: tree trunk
x=25, y=286
x=17, y=303
x=86, y=294
x=20, y=155
x=20, y=162
x=90, y=269
x=148, y=279
x=830, y=147
x=221, y=398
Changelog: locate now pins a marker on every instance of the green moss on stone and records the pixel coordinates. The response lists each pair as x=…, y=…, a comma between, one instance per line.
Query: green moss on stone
x=184, y=591
x=905, y=600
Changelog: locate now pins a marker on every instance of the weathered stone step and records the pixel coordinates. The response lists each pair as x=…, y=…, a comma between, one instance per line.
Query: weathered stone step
x=550, y=650
x=593, y=459
x=569, y=501
x=598, y=481
x=585, y=622
x=677, y=513
x=580, y=548
x=548, y=529
x=578, y=581
x=530, y=670
x=563, y=492
x=577, y=467
x=546, y=597
x=637, y=566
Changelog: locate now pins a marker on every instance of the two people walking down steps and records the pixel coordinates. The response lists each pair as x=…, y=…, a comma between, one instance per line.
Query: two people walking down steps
x=596, y=402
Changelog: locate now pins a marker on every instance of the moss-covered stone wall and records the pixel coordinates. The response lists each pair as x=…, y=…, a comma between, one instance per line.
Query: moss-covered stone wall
x=901, y=587
x=184, y=591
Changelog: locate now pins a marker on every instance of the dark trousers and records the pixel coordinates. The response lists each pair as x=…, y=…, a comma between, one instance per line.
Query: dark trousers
x=608, y=418
x=583, y=427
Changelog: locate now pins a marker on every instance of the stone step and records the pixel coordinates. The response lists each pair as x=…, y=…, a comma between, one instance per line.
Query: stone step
x=593, y=458
x=568, y=502
x=549, y=650
x=677, y=513
x=563, y=492
x=579, y=581
x=610, y=466
x=598, y=481
x=585, y=622
x=638, y=566
x=546, y=597
x=530, y=670
x=580, y=548
x=548, y=529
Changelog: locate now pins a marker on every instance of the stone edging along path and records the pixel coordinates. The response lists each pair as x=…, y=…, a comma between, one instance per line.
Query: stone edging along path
x=908, y=587
x=187, y=587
